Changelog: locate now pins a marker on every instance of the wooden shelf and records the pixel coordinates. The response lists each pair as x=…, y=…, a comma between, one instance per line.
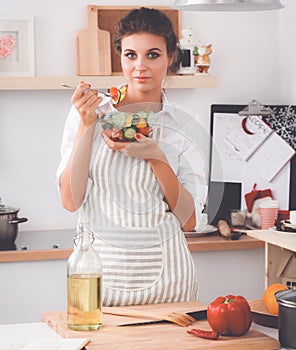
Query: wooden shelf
x=280, y=239
x=104, y=82
x=279, y=248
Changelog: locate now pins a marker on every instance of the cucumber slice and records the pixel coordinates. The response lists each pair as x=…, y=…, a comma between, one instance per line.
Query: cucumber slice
x=119, y=96
x=141, y=114
x=107, y=125
x=150, y=118
x=118, y=119
x=136, y=119
x=129, y=133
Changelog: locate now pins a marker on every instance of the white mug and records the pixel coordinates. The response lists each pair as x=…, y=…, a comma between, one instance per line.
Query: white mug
x=293, y=217
x=268, y=212
x=203, y=222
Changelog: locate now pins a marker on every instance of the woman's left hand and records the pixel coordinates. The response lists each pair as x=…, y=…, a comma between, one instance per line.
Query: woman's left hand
x=114, y=145
x=145, y=148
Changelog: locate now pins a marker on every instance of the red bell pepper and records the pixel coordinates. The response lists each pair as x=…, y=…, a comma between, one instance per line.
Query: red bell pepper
x=230, y=315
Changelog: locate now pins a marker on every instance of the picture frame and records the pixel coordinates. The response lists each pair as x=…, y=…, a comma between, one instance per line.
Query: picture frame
x=17, y=53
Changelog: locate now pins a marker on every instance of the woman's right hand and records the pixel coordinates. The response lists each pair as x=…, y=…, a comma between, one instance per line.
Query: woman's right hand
x=86, y=100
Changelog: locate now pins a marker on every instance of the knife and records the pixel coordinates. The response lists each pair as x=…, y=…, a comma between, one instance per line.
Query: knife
x=197, y=315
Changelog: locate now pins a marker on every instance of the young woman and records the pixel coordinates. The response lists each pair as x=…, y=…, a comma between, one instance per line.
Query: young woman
x=138, y=197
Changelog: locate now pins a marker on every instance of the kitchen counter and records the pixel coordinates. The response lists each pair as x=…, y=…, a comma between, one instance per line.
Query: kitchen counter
x=40, y=245
x=161, y=336
x=57, y=244
x=215, y=241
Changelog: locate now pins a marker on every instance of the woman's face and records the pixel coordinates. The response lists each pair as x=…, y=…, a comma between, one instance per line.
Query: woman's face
x=144, y=61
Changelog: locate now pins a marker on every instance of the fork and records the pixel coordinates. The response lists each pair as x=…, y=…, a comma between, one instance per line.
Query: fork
x=96, y=89
x=182, y=319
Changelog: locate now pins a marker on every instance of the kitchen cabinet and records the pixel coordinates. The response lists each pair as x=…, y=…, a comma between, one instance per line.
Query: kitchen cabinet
x=104, y=82
x=29, y=287
x=280, y=261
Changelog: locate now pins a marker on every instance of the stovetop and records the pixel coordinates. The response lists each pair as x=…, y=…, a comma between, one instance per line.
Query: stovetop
x=40, y=240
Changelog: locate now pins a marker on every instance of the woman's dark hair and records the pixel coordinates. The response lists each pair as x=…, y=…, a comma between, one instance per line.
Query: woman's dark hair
x=151, y=21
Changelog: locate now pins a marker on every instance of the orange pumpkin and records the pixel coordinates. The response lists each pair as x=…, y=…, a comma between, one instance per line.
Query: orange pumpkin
x=269, y=298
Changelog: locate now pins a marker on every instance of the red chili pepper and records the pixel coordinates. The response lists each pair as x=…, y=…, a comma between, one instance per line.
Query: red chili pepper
x=204, y=334
x=230, y=315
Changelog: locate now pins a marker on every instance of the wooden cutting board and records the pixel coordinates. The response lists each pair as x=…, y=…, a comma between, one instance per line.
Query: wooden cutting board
x=93, y=47
x=162, y=336
x=260, y=314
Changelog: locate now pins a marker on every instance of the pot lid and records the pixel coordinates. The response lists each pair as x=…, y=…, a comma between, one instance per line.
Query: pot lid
x=4, y=209
x=287, y=297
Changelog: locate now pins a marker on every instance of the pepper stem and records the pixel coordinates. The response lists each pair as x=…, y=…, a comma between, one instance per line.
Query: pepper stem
x=227, y=301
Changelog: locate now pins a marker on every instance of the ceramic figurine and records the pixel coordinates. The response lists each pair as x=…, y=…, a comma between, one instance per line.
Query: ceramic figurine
x=202, y=59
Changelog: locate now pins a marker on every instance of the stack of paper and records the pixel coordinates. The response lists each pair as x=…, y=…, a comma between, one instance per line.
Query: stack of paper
x=263, y=150
x=36, y=336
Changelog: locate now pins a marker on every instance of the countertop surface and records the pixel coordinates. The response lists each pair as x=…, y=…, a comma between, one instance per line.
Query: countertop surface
x=161, y=336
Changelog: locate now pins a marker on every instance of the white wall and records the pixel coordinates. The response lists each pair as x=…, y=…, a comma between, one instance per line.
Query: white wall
x=287, y=54
x=245, y=58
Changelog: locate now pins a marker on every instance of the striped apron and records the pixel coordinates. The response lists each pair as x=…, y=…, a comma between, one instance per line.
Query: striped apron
x=144, y=253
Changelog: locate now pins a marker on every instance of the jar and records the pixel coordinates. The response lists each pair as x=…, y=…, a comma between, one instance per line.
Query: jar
x=84, y=283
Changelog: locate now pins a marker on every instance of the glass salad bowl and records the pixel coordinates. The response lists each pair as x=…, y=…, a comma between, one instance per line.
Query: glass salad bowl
x=123, y=126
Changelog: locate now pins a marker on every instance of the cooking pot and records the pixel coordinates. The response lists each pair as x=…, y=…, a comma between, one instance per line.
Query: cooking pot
x=9, y=223
x=287, y=318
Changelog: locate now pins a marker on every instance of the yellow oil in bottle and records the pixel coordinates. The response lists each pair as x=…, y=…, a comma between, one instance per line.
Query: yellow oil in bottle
x=84, y=302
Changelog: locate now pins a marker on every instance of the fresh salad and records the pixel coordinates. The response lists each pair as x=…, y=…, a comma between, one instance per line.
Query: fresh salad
x=123, y=126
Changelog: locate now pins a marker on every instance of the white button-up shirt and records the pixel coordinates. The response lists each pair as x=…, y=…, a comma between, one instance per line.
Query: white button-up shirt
x=177, y=133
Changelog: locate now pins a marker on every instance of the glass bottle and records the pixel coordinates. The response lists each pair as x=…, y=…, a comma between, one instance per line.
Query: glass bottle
x=84, y=283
